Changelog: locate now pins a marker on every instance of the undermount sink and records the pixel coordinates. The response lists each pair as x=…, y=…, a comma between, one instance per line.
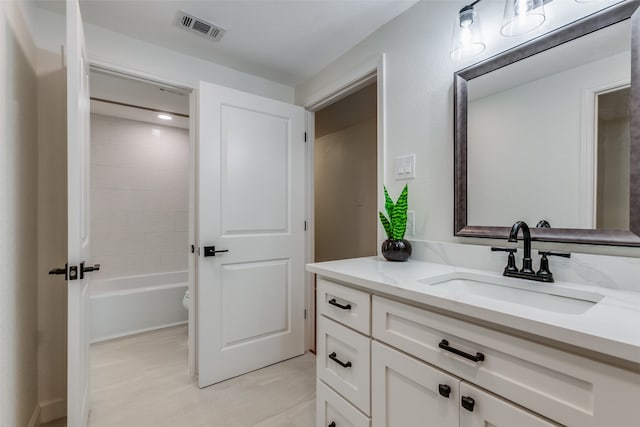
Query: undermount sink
x=542, y=296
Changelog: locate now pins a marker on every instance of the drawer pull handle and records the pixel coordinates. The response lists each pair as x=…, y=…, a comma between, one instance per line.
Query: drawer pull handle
x=468, y=403
x=444, y=390
x=337, y=304
x=333, y=356
x=333, y=424
x=444, y=344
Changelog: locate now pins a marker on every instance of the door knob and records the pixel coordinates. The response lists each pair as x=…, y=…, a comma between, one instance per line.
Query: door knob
x=70, y=272
x=211, y=251
x=88, y=269
x=58, y=270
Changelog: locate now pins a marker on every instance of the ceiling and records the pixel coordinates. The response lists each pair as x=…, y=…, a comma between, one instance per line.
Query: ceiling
x=286, y=41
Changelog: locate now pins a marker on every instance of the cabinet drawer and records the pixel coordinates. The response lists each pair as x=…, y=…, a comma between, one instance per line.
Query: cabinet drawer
x=344, y=362
x=564, y=387
x=345, y=305
x=331, y=408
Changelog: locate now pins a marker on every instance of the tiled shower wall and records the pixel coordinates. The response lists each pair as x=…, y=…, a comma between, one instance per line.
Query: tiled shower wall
x=139, y=197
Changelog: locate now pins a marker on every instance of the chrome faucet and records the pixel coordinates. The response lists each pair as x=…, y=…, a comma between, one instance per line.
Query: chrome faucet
x=526, y=237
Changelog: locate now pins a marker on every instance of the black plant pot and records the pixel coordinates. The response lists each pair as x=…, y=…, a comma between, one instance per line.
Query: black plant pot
x=396, y=250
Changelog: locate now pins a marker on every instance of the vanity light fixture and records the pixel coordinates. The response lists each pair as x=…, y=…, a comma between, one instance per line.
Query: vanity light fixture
x=522, y=16
x=165, y=116
x=467, y=34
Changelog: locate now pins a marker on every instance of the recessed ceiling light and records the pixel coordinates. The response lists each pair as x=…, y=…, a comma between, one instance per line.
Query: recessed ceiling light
x=165, y=117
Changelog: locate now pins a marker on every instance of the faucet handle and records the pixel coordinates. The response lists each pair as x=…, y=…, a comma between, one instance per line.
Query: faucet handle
x=511, y=259
x=510, y=250
x=544, y=273
x=550, y=253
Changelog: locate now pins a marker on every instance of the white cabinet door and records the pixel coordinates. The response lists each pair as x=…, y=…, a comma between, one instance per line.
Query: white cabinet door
x=480, y=409
x=410, y=393
x=250, y=276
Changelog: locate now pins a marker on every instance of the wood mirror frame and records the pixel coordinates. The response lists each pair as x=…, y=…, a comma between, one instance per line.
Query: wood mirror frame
x=589, y=24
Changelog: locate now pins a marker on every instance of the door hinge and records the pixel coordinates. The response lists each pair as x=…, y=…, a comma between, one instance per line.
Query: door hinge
x=305, y=313
x=305, y=226
x=305, y=137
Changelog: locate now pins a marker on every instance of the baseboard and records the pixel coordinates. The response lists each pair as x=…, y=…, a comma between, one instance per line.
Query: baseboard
x=35, y=417
x=52, y=410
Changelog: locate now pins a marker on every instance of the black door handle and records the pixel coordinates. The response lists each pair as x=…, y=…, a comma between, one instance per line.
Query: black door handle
x=211, y=251
x=444, y=344
x=333, y=424
x=337, y=304
x=89, y=269
x=333, y=356
x=70, y=272
x=59, y=270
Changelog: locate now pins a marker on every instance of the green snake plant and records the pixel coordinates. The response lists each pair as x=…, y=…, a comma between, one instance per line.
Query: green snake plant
x=396, y=224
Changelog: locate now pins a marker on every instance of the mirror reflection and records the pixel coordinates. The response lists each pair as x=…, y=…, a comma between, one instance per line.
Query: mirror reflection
x=548, y=136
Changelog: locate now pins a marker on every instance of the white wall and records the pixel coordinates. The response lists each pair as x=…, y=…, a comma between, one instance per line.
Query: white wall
x=18, y=218
x=419, y=100
x=139, y=188
x=525, y=145
x=153, y=61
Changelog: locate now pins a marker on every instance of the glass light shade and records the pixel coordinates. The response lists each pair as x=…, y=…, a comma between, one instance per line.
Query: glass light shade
x=522, y=16
x=467, y=37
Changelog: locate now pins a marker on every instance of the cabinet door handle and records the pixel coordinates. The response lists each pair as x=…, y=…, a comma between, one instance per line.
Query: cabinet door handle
x=444, y=344
x=468, y=403
x=333, y=424
x=333, y=356
x=337, y=304
x=444, y=390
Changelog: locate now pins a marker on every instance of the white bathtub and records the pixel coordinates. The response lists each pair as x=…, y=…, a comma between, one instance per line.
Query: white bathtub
x=129, y=305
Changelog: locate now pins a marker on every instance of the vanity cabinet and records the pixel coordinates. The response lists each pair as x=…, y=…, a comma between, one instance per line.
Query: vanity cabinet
x=385, y=363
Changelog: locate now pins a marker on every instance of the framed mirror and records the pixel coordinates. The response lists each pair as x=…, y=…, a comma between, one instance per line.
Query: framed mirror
x=549, y=132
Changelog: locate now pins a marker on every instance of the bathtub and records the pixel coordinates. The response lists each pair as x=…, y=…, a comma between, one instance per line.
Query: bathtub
x=129, y=305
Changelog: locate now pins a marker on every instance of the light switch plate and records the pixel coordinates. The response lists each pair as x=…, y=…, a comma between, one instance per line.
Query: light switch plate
x=405, y=167
x=411, y=223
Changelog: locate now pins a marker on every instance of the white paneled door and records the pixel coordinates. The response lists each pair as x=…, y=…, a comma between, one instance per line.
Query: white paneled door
x=78, y=219
x=250, y=300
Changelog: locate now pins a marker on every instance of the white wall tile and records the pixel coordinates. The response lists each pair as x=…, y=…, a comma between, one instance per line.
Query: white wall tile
x=139, y=197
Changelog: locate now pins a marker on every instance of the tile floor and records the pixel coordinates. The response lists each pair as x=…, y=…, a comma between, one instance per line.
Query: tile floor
x=143, y=381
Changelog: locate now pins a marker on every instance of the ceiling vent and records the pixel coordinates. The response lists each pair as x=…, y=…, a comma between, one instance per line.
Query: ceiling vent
x=200, y=26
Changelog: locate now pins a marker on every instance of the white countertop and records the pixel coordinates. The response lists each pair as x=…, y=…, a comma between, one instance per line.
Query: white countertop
x=610, y=327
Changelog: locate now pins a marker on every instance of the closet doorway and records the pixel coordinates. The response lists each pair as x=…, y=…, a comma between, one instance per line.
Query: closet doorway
x=346, y=178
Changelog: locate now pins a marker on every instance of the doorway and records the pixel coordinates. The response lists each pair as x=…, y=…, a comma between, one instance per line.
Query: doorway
x=140, y=209
x=612, y=159
x=345, y=179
